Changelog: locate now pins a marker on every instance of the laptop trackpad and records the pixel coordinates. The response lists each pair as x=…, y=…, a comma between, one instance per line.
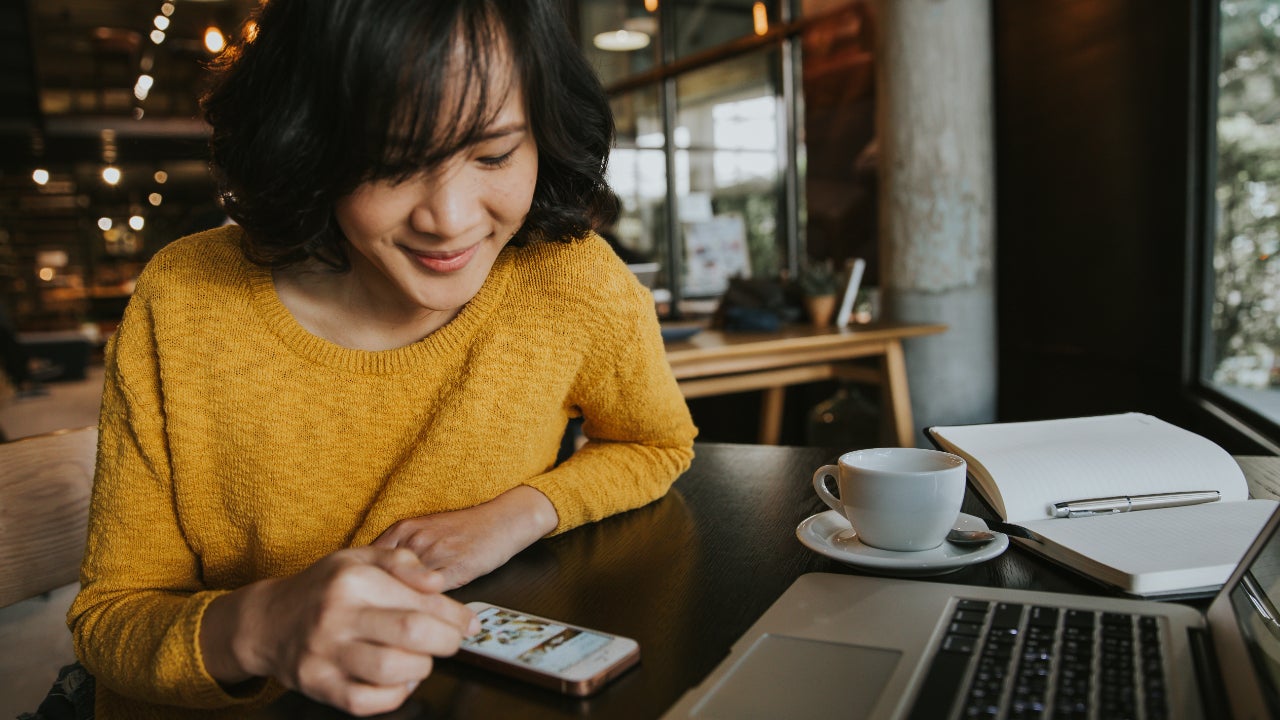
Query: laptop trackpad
x=789, y=677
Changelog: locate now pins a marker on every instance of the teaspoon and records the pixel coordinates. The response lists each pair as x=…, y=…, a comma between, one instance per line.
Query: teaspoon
x=970, y=537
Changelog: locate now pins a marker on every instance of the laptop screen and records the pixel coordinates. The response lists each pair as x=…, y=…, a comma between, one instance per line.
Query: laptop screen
x=1254, y=601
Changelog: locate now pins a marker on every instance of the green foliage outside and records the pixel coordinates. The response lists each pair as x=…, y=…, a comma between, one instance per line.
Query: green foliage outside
x=1246, y=292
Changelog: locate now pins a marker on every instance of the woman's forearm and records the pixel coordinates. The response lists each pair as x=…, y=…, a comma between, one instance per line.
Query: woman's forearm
x=531, y=513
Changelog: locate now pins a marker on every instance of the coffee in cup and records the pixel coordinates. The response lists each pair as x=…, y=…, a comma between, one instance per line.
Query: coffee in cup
x=903, y=499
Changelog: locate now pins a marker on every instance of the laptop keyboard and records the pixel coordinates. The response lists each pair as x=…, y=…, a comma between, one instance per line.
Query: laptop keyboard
x=1012, y=661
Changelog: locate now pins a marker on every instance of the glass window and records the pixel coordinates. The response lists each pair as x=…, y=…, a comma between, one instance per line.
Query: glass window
x=705, y=24
x=727, y=139
x=638, y=174
x=619, y=37
x=713, y=118
x=838, y=84
x=1241, y=348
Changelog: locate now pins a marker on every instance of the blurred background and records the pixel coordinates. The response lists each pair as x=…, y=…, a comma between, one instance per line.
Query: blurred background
x=103, y=153
x=1136, y=177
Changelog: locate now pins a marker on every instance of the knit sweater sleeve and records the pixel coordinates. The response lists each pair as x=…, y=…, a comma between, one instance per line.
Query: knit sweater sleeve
x=136, y=620
x=638, y=428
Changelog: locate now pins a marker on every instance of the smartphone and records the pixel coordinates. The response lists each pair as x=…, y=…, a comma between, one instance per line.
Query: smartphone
x=573, y=660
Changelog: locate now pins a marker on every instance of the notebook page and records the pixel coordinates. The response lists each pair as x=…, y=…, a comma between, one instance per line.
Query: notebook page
x=1035, y=464
x=1154, y=551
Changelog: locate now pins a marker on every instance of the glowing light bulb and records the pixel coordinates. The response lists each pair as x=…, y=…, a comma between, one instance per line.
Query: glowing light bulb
x=40, y=176
x=143, y=86
x=111, y=175
x=760, y=18
x=621, y=40
x=214, y=41
x=136, y=222
x=104, y=224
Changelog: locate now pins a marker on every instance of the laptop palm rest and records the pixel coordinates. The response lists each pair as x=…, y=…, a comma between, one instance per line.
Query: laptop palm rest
x=781, y=676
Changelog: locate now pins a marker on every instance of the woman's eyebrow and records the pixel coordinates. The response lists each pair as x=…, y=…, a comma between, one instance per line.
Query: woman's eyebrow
x=500, y=131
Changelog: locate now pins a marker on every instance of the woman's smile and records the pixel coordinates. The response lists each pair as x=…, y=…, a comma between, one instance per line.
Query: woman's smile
x=443, y=261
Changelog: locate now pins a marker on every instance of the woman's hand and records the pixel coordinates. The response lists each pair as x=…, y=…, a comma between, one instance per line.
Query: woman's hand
x=464, y=544
x=357, y=630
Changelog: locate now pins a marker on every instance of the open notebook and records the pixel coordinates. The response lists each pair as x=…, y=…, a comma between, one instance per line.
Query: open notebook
x=851, y=647
x=1022, y=470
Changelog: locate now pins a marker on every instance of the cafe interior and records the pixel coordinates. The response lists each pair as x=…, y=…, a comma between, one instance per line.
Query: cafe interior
x=752, y=143
x=1059, y=208
x=748, y=147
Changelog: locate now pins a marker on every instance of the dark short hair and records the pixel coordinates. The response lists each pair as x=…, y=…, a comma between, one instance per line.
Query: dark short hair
x=328, y=94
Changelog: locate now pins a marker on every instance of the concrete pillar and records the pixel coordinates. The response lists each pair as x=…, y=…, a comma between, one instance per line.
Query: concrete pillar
x=937, y=203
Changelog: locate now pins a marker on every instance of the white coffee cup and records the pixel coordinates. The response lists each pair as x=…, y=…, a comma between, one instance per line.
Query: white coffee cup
x=903, y=499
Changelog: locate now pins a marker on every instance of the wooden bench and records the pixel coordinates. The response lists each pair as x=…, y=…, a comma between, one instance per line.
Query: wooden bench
x=45, y=481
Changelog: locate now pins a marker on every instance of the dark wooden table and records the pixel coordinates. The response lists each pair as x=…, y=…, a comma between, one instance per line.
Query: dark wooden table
x=685, y=576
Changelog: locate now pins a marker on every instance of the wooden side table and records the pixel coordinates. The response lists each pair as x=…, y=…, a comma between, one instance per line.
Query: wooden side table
x=715, y=362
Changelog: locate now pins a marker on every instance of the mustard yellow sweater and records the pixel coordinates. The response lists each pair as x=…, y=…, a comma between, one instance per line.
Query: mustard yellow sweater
x=236, y=446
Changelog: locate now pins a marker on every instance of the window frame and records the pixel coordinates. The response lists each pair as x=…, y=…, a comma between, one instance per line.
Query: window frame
x=783, y=34
x=1247, y=429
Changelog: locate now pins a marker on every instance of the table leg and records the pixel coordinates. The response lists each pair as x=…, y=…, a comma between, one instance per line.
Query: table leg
x=771, y=415
x=899, y=397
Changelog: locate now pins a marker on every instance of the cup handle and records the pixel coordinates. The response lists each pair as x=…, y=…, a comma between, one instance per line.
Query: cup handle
x=820, y=485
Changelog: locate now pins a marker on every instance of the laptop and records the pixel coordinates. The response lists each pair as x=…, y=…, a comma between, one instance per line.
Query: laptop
x=848, y=646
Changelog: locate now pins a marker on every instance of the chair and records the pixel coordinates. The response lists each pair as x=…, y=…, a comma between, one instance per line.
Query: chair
x=44, y=511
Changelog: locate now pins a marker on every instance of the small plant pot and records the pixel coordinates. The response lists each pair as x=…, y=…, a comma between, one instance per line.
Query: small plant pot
x=820, y=308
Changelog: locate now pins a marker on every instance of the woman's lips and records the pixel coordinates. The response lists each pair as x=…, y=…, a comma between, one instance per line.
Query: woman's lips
x=444, y=262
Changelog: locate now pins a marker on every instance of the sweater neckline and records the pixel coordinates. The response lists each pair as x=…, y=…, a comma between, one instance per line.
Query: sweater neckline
x=444, y=341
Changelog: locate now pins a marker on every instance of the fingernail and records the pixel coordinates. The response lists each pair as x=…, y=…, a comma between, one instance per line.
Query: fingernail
x=473, y=627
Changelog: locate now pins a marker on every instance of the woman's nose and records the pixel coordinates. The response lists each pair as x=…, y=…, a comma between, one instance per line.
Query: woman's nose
x=450, y=206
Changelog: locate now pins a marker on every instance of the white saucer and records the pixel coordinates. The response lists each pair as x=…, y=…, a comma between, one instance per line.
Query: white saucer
x=830, y=534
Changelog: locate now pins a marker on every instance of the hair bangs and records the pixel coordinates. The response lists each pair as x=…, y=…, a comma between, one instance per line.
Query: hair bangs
x=445, y=101
x=334, y=93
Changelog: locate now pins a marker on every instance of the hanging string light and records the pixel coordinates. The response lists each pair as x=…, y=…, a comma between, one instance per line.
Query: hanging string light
x=760, y=18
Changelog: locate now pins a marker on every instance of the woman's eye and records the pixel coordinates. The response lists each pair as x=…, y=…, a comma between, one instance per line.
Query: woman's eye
x=497, y=161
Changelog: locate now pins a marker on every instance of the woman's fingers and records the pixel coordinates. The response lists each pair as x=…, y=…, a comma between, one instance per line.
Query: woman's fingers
x=380, y=665
x=359, y=629
x=419, y=632
x=374, y=578
x=405, y=565
x=362, y=699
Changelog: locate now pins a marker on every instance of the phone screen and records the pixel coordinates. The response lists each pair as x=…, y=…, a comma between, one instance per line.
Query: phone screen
x=533, y=642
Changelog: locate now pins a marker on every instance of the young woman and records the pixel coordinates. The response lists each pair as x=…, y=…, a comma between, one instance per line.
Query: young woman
x=317, y=420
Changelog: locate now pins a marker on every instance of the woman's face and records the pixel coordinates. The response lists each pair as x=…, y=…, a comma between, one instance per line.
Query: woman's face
x=429, y=242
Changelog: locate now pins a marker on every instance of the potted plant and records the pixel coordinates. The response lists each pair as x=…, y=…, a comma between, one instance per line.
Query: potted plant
x=819, y=283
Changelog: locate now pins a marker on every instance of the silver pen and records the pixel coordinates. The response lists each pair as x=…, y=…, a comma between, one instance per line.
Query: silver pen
x=1127, y=503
